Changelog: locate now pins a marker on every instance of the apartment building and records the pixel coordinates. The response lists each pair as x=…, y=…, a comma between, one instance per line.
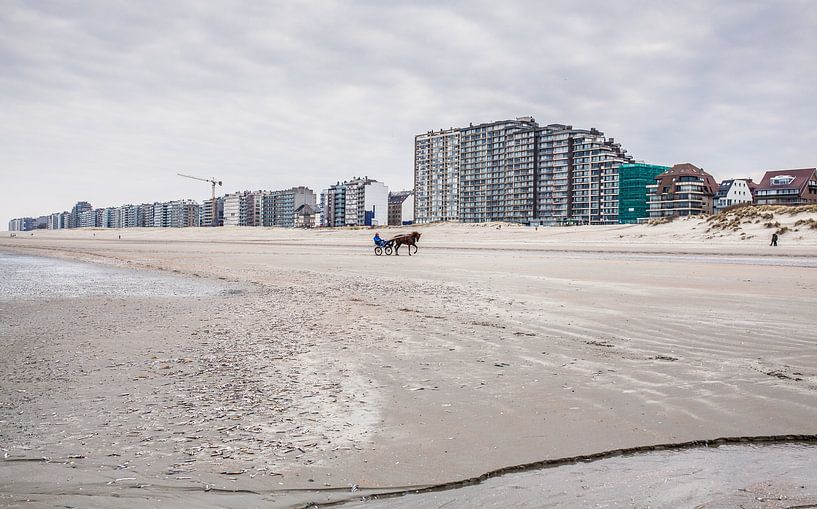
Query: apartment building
x=183, y=214
x=109, y=218
x=279, y=207
x=235, y=209
x=497, y=171
x=436, y=176
x=633, y=179
x=76, y=213
x=333, y=206
x=207, y=218
x=787, y=187
x=401, y=208
x=683, y=190
x=128, y=216
x=87, y=219
x=22, y=224
x=517, y=171
x=56, y=221
x=578, y=176
x=161, y=215
x=144, y=215
x=358, y=202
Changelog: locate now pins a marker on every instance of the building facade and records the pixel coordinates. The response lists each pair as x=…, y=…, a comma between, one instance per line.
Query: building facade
x=517, y=171
x=733, y=192
x=235, y=209
x=436, y=176
x=401, y=208
x=305, y=216
x=183, y=214
x=207, y=218
x=358, y=202
x=683, y=190
x=633, y=179
x=22, y=224
x=279, y=208
x=76, y=213
x=497, y=171
x=787, y=187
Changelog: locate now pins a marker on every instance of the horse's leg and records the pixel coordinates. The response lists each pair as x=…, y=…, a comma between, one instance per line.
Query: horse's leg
x=415, y=248
x=409, y=247
x=396, y=249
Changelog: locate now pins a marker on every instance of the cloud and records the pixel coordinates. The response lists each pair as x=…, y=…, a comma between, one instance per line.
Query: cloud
x=106, y=101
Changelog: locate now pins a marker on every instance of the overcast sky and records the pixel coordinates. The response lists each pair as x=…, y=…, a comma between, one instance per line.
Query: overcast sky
x=106, y=101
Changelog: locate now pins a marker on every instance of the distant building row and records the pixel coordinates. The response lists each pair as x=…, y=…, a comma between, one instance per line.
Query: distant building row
x=518, y=171
x=649, y=191
x=180, y=213
x=358, y=202
x=365, y=202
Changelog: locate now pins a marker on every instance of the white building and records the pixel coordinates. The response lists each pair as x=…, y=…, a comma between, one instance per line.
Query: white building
x=234, y=209
x=733, y=192
x=358, y=202
x=375, y=204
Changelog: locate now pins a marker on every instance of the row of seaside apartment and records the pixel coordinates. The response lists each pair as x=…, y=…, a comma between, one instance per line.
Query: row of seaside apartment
x=518, y=171
x=507, y=171
x=360, y=201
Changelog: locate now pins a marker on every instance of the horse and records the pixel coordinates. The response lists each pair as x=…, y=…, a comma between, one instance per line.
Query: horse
x=409, y=239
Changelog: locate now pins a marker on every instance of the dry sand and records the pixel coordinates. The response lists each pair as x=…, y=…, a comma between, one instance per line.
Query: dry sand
x=325, y=367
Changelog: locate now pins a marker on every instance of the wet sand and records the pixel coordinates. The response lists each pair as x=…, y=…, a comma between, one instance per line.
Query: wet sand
x=728, y=476
x=332, y=367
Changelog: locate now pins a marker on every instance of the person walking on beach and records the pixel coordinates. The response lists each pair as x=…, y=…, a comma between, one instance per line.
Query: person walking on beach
x=774, y=240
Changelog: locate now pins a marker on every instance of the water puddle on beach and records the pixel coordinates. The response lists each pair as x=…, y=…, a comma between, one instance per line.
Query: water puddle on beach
x=779, y=475
x=33, y=277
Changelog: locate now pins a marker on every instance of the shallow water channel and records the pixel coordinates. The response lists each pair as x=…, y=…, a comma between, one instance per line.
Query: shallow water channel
x=777, y=475
x=34, y=277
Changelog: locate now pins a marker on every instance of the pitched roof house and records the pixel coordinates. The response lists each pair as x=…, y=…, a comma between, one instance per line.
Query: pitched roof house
x=787, y=187
x=683, y=190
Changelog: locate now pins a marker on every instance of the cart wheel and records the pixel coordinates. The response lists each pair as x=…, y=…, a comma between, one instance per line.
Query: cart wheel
x=388, y=250
x=378, y=250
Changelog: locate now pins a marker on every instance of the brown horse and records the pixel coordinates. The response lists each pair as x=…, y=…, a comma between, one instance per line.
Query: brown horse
x=409, y=239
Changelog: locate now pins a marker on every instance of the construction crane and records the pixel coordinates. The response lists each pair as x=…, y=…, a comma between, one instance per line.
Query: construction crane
x=213, y=182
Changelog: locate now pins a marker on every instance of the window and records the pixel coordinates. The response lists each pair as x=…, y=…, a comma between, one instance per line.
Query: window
x=782, y=180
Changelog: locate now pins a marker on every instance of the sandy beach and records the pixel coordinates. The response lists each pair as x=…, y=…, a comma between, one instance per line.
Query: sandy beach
x=310, y=367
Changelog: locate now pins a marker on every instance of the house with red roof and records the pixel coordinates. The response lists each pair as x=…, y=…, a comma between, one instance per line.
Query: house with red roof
x=683, y=190
x=788, y=187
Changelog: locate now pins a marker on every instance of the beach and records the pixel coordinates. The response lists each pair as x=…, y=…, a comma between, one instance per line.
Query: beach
x=299, y=367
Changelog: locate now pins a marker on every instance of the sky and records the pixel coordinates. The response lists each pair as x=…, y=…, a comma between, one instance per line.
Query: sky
x=106, y=101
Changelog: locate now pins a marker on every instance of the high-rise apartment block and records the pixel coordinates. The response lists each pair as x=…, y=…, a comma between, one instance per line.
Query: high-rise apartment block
x=280, y=208
x=76, y=214
x=264, y=208
x=517, y=171
x=497, y=172
x=207, y=218
x=358, y=202
x=436, y=175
